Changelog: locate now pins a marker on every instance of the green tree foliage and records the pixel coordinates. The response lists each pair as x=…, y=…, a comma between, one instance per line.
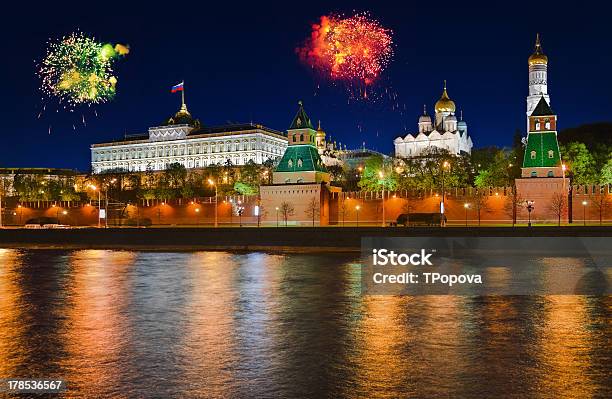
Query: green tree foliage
x=498, y=173
x=245, y=188
x=606, y=172
x=580, y=163
x=175, y=175
x=337, y=173
x=371, y=179
x=251, y=173
x=433, y=167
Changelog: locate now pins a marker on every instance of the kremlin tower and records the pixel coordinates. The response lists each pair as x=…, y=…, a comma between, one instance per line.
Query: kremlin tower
x=542, y=175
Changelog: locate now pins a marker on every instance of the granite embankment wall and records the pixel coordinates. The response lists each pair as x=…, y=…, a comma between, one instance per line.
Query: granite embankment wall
x=291, y=239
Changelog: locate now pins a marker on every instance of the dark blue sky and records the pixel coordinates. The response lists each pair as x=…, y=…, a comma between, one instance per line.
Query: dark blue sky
x=239, y=64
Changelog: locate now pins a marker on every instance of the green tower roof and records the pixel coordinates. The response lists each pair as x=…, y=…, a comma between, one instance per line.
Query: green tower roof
x=542, y=143
x=542, y=109
x=301, y=158
x=301, y=120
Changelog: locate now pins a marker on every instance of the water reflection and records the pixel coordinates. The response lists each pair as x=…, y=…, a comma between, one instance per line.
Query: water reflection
x=214, y=324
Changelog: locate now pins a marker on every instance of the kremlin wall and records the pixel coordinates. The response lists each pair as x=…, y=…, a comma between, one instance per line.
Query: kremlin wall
x=496, y=209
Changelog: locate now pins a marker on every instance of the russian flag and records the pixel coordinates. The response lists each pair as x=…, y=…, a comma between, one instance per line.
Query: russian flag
x=178, y=87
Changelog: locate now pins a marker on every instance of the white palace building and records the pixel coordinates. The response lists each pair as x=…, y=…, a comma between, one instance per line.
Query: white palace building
x=182, y=139
x=447, y=133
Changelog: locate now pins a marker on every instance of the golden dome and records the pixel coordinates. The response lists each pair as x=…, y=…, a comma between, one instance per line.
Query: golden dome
x=538, y=57
x=445, y=104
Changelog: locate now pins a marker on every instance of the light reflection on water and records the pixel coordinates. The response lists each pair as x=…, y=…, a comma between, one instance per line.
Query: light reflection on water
x=215, y=324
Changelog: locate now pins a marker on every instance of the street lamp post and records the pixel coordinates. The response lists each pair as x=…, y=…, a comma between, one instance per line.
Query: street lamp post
x=20, y=212
x=212, y=183
x=584, y=205
x=357, y=212
x=444, y=166
x=276, y=216
x=530, y=208
x=99, y=209
x=466, y=206
x=382, y=176
x=197, y=211
x=240, y=210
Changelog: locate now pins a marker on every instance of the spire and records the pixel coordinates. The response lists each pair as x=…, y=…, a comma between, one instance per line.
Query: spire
x=424, y=109
x=319, y=127
x=538, y=57
x=461, y=114
x=301, y=120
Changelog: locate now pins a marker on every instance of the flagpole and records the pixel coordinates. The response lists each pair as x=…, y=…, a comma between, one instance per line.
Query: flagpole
x=183, y=92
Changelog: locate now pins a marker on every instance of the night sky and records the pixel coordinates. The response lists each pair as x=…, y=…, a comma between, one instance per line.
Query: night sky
x=239, y=65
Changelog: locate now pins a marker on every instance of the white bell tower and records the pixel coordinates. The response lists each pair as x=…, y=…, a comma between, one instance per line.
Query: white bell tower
x=538, y=77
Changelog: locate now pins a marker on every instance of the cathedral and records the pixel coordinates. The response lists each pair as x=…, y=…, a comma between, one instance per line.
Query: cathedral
x=445, y=132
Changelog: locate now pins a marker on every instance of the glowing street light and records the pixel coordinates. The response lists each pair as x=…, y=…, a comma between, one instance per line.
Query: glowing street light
x=276, y=216
x=94, y=188
x=584, y=205
x=212, y=183
x=445, y=166
x=530, y=207
x=466, y=206
x=357, y=208
x=382, y=177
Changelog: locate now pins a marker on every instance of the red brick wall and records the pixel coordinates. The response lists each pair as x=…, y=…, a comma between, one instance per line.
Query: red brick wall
x=176, y=212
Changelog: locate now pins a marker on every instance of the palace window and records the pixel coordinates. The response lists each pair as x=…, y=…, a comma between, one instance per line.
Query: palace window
x=550, y=153
x=550, y=173
x=537, y=124
x=547, y=124
x=301, y=137
x=290, y=163
x=299, y=162
x=534, y=174
x=533, y=155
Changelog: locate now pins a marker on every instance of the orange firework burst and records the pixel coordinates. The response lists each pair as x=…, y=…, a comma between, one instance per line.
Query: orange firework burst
x=354, y=49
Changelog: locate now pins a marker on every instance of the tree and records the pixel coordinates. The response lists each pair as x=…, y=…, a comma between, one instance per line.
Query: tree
x=513, y=204
x=286, y=210
x=480, y=200
x=251, y=173
x=371, y=179
x=175, y=175
x=580, y=163
x=336, y=172
x=313, y=209
x=428, y=170
x=344, y=209
x=601, y=203
x=605, y=176
x=558, y=205
x=245, y=188
x=498, y=173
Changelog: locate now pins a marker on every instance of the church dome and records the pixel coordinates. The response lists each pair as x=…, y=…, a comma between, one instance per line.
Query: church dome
x=424, y=119
x=320, y=131
x=182, y=117
x=538, y=57
x=445, y=104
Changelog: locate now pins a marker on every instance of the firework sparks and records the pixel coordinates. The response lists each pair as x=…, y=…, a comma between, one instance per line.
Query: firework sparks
x=77, y=70
x=354, y=49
